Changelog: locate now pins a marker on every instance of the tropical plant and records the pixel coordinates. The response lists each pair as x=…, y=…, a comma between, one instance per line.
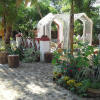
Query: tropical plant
x=8, y=16
x=31, y=55
x=13, y=50
x=81, y=68
x=35, y=3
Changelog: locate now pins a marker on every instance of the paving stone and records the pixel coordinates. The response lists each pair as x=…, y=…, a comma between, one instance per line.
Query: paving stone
x=31, y=82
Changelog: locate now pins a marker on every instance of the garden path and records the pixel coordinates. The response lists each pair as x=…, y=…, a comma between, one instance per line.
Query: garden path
x=31, y=82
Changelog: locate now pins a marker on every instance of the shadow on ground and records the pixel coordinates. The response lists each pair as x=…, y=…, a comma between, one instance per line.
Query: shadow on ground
x=31, y=82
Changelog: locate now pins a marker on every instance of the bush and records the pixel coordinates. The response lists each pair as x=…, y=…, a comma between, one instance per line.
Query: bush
x=31, y=55
x=82, y=67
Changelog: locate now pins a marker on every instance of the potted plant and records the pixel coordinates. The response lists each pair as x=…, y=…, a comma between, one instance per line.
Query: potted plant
x=93, y=92
x=48, y=57
x=13, y=57
x=31, y=55
x=3, y=54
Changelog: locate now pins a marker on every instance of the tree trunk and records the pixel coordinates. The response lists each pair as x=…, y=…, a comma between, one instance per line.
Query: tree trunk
x=8, y=34
x=4, y=25
x=4, y=21
x=18, y=2
x=71, y=27
x=39, y=11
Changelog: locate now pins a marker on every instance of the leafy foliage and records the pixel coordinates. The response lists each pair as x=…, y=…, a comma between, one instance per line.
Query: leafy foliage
x=82, y=67
x=31, y=55
x=6, y=9
x=16, y=51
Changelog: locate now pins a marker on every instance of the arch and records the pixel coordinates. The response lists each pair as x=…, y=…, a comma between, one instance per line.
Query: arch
x=57, y=27
x=78, y=28
x=63, y=21
x=87, y=26
x=46, y=22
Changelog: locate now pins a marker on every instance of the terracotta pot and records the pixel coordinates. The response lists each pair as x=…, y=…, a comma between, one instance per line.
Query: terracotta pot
x=37, y=59
x=13, y=61
x=95, y=43
x=93, y=92
x=48, y=57
x=3, y=57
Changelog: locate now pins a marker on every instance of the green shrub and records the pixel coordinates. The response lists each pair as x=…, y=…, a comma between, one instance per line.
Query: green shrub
x=82, y=67
x=31, y=55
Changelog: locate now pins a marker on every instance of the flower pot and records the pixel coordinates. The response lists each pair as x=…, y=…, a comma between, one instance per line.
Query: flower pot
x=13, y=61
x=48, y=57
x=95, y=43
x=37, y=59
x=93, y=92
x=3, y=57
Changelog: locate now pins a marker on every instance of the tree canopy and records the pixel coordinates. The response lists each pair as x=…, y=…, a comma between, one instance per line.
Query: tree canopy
x=19, y=16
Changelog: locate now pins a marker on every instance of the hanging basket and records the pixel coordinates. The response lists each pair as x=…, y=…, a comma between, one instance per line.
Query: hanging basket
x=3, y=57
x=13, y=61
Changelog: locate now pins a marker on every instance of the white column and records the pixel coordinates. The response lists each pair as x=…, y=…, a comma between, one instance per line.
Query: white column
x=83, y=32
x=18, y=41
x=44, y=47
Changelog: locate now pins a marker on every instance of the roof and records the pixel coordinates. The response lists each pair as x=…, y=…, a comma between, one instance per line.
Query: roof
x=61, y=17
x=82, y=17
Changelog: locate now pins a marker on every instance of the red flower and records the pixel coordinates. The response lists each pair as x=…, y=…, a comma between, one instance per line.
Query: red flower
x=65, y=68
x=78, y=69
x=70, y=70
x=95, y=52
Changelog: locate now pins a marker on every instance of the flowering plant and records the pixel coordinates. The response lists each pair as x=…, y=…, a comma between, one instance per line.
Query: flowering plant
x=78, y=71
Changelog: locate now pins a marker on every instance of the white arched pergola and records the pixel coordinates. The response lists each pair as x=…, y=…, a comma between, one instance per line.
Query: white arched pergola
x=87, y=26
x=63, y=21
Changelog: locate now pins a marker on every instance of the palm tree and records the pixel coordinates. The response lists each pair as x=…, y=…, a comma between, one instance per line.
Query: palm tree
x=8, y=12
x=8, y=16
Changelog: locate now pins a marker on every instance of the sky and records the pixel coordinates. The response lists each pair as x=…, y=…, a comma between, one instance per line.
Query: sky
x=97, y=3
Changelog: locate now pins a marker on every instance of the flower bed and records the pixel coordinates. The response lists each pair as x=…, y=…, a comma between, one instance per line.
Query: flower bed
x=77, y=72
